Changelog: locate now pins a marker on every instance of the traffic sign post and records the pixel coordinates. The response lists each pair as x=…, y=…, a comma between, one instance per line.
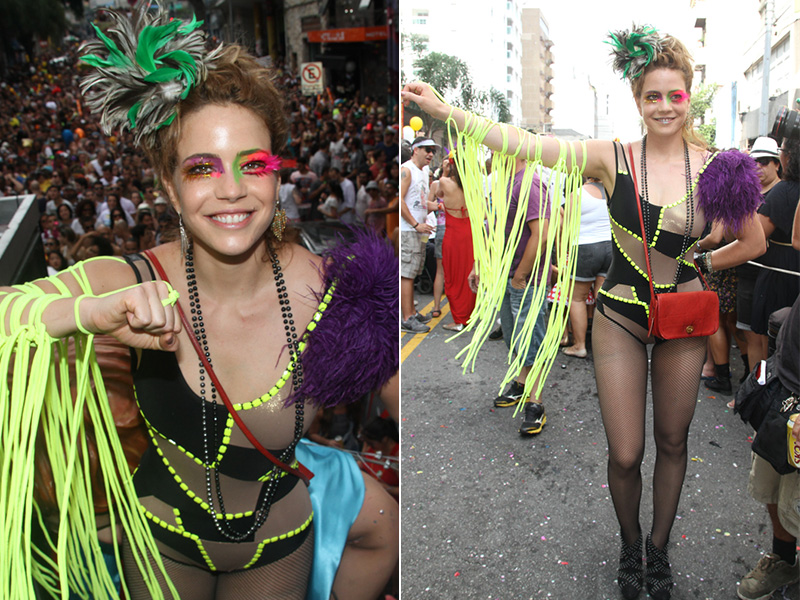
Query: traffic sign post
x=311, y=78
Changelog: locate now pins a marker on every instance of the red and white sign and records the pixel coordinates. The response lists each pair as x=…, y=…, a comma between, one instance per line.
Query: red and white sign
x=350, y=34
x=311, y=78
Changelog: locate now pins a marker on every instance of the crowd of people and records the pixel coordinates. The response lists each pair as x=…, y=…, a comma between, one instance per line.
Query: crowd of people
x=98, y=194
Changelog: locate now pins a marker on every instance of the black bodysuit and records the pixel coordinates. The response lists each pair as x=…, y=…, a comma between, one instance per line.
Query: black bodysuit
x=170, y=481
x=625, y=296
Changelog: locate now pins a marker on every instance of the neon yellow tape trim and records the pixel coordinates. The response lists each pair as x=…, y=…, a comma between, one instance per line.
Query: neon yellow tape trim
x=44, y=395
x=493, y=249
x=78, y=323
x=283, y=536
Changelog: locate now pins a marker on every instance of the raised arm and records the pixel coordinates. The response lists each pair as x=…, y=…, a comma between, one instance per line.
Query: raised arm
x=599, y=153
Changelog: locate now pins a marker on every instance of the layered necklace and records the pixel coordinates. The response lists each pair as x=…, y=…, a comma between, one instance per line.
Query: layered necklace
x=210, y=442
x=689, y=206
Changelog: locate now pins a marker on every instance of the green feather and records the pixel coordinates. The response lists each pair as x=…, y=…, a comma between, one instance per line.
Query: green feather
x=163, y=74
x=115, y=57
x=168, y=120
x=191, y=26
x=150, y=40
x=134, y=110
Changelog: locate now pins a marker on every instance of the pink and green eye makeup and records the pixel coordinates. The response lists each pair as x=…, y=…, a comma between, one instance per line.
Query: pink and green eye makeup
x=202, y=167
x=255, y=162
x=677, y=96
x=674, y=97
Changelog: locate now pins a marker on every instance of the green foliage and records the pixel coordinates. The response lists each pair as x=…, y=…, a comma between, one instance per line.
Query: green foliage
x=451, y=77
x=416, y=43
x=708, y=131
x=702, y=99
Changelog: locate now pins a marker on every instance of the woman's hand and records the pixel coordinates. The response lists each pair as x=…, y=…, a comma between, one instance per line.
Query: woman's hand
x=141, y=316
x=423, y=95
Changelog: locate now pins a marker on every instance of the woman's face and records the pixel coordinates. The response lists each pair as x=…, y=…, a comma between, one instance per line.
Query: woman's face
x=226, y=180
x=116, y=215
x=664, y=102
x=767, y=170
x=64, y=213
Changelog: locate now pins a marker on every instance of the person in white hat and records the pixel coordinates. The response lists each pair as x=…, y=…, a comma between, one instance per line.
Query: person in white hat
x=414, y=231
x=765, y=152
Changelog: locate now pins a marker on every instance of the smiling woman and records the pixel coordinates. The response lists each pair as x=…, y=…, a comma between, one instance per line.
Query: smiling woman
x=234, y=331
x=662, y=191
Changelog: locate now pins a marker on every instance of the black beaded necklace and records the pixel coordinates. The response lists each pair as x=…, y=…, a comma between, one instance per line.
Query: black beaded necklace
x=211, y=446
x=689, y=206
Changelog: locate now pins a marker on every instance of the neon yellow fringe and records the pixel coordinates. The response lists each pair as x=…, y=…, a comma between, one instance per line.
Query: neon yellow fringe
x=39, y=395
x=494, y=253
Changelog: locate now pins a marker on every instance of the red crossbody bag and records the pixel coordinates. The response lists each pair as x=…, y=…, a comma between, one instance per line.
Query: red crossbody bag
x=676, y=314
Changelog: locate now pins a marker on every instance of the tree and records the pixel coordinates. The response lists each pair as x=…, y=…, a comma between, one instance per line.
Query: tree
x=450, y=76
x=702, y=99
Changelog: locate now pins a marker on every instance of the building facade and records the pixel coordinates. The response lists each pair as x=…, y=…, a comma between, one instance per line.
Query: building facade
x=487, y=37
x=537, y=72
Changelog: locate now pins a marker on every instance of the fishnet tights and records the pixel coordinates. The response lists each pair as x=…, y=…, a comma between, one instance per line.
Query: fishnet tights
x=620, y=363
x=284, y=579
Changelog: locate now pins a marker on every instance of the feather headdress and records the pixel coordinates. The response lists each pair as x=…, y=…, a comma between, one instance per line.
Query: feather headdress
x=144, y=65
x=634, y=50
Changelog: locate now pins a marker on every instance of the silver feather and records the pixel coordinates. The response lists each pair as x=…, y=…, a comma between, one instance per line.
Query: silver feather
x=117, y=83
x=633, y=50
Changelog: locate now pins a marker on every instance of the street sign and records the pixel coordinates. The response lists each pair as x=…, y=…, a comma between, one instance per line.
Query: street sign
x=311, y=78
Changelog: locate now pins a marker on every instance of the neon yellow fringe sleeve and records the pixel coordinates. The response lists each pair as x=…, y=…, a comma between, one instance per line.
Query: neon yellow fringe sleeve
x=38, y=413
x=494, y=252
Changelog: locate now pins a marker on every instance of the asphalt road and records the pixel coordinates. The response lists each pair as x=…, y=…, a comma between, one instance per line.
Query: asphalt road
x=487, y=514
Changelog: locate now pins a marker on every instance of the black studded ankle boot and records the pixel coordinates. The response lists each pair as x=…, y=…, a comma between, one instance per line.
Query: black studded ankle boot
x=629, y=575
x=658, y=576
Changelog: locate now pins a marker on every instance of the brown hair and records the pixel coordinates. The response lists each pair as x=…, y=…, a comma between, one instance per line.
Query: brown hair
x=235, y=79
x=673, y=55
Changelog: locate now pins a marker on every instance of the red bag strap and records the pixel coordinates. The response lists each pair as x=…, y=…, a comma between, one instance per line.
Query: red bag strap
x=644, y=235
x=301, y=472
x=641, y=222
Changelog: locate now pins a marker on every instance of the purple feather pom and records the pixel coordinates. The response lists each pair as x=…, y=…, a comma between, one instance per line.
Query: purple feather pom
x=354, y=348
x=729, y=189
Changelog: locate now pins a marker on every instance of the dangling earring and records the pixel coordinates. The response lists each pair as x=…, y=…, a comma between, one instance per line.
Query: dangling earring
x=184, y=236
x=279, y=222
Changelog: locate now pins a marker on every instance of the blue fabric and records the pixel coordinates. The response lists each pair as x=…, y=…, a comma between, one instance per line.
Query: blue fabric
x=513, y=313
x=337, y=493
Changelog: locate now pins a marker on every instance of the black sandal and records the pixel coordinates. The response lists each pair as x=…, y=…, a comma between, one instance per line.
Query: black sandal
x=659, y=574
x=629, y=575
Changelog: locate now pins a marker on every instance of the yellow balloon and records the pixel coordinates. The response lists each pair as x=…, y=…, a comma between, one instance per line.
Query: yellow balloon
x=416, y=123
